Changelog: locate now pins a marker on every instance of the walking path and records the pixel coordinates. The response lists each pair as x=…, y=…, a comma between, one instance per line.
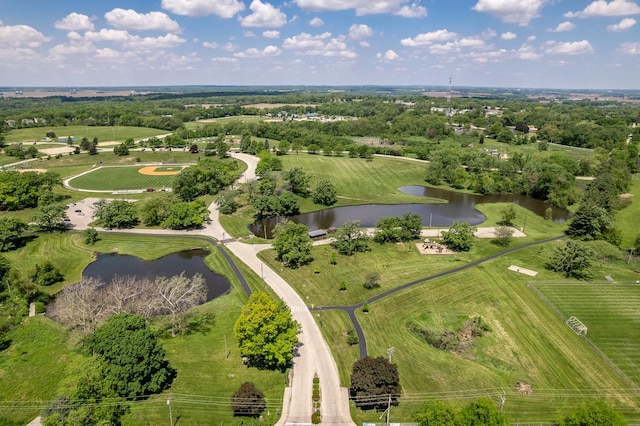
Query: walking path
x=314, y=356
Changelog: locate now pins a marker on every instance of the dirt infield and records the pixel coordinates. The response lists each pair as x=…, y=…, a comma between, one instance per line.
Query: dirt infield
x=151, y=171
x=33, y=170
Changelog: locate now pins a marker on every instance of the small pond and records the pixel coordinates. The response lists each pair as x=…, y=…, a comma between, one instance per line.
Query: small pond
x=190, y=262
x=459, y=207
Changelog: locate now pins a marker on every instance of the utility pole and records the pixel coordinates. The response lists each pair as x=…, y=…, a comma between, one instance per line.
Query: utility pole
x=170, y=415
x=390, y=352
x=503, y=399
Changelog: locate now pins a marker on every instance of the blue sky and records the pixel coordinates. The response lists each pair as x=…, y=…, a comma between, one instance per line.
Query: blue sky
x=503, y=43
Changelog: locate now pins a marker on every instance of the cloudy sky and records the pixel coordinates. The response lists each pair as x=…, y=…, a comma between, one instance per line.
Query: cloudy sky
x=503, y=43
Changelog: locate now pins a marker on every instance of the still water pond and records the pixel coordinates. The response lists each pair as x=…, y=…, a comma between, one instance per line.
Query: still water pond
x=190, y=262
x=459, y=207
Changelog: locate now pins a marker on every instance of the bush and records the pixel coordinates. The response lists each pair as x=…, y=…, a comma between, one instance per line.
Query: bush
x=365, y=308
x=352, y=338
x=343, y=286
x=315, y=418
x=372, y=280
x=46, y=274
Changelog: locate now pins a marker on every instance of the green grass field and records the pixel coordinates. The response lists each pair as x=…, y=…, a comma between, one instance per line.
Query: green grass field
x=614, y=326
x=111, y=133
x=529, y=348
x=119, y=178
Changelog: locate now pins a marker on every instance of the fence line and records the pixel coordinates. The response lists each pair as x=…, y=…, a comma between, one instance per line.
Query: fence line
x=587, y=340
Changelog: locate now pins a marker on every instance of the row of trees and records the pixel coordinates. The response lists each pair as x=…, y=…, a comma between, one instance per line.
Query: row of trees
x=26, y=190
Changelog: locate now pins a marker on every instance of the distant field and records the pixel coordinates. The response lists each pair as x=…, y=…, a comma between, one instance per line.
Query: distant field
x=118, y=179
x=271, y=106
x=111, y=133
x=611, y=314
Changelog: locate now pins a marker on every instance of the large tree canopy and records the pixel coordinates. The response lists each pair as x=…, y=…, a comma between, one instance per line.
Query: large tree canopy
x=293, y=244
x=206, y=178
x=134, y=363
x=24, y=190
x=266, y=333
x=373, y=382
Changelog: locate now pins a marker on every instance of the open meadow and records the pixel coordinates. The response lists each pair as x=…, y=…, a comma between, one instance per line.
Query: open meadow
x=542, y=367
x=103, y=133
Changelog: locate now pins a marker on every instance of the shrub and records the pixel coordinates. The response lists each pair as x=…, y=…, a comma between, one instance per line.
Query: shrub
x=352, y=338
x=372, y=280
x=248, y=401
x=343, y=286
x=46, y=274
x=365, y=308
x=315, y=418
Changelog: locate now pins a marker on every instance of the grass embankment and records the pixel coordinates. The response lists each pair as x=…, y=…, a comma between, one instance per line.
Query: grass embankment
x=627, y=219
x=104, y=134
x=37, y=365
x=528, y=345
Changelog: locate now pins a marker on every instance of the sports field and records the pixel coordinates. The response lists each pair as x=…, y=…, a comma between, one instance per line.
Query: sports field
x=104, y=134
x=611, y=314
x=125, y=178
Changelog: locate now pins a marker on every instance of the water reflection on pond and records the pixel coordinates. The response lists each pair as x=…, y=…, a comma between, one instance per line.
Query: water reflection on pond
x=191, y=262
x=459, y=207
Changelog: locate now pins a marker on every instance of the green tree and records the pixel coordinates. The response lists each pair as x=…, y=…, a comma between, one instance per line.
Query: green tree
x=481, y=412
x=459, y=237
x=183, y=215
x=133, y=362
x=91, y=236
x=289, y=205
x=121, y=150
x=325, y=193
x=350, y=239
x=387, y=230
x=298, y=181
x=373, y=381
x=266, y=333
x=116, y=213
x=508, y=215
x=436, y=413
x=268, y=163
x=45, y=274
x=206, y=178
x=573, y=259
x=10, y=232
x=593, y=413
x=590, y=222
x=248, y=400
x=155, y=210
x=50, y=217
x=292, y=244
x=227, y=201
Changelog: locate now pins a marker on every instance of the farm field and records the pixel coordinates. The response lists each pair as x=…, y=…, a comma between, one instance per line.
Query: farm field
x=104, y=133
x=121, y=178
x=530, y=354
x=610, y=312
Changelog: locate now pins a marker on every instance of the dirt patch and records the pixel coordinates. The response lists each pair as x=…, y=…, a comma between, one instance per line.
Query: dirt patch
x=33, y=170
x=524, y=388
x=433, y=248
x=151, y=171
x=626, y=195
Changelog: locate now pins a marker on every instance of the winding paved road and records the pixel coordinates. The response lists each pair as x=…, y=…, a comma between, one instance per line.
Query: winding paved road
x=314, y=356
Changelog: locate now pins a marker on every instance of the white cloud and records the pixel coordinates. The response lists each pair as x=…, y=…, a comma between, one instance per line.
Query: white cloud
x=222, y=8
x=129, y=19
x=508, y=36
x=21, y=35
x=519, y=12
x=623, y=25
x=264, y=15
x=411, y=11
x=256, y=53
x=365, y=7
x=318, y=45
x=360, y=31
x=604, y=8
x=210, y=44
x=225, y=60
x=388, y=56
x=528, y=53
x=532, y=38
x=271, y=34
x=75, y=22
x=364, y=44
x=568, y=48
x=563, y=26
x=630, y=48
x=73, y=48
x=134, y=42
x=426, y=39
x=316, y=22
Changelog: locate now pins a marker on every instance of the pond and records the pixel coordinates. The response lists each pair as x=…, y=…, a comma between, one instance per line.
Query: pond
x=190, y=262
x=460, y=207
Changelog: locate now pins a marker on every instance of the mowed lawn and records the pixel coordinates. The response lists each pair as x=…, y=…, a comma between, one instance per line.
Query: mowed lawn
x=120, y=178
x=610, y=312
x=543, y=368
x=104, y=133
